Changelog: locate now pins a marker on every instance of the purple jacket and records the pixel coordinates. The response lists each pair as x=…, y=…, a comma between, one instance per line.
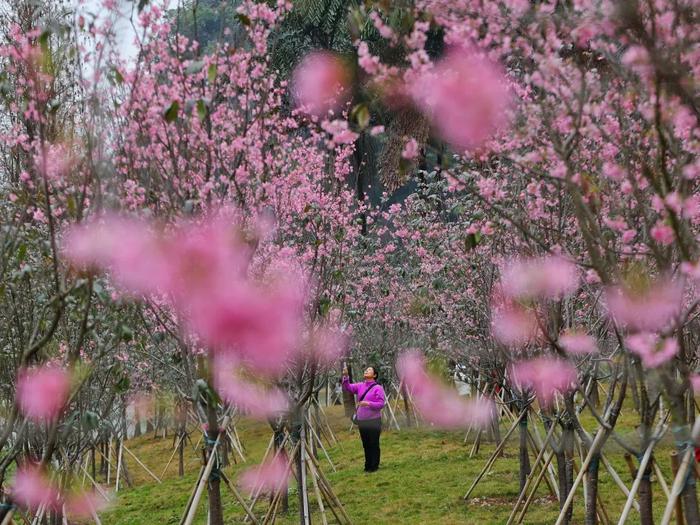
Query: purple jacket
x=375, y=398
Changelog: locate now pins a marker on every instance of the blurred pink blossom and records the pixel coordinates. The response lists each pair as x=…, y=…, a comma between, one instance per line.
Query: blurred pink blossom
x=465, y=96
x=653, y=350
x=32, y=489
x=695, y=383
x=271, y=476
x=439, y=404
x=410, y=149
x=513, y=325
x=651, y=309
x=84, y=504
x=42, y=392
x=577, y=342
x=549, y=277
x=662, y=233
x=544, y=375
x=320, y=83
x=256, y=399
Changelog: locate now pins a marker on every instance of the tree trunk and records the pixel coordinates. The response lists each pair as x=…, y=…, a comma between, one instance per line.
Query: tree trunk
x=216, y=514
x=690, y=499
x=524, y=457
x=646, y=515
x=592, y=491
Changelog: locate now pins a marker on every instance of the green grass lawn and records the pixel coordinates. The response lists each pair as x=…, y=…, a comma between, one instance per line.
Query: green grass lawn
x=422, y=479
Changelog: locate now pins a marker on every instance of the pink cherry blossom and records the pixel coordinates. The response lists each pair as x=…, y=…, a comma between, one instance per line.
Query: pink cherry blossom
x=256, y=399
x=550, y=277
x=32, y=489
x=650, y=309
x=653, y=350
x=320, y=83
x=662, y=233
x=695, y=382
x=544, y=375
x=577, y=342
x=42, y=392
x=410, y=149
x=84, y=504
x=438, y=404
x=513, y=325
x=465, y=96
x=271, y=476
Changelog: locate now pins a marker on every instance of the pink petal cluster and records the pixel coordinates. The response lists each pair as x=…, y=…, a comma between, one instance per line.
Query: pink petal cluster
x=320, y=83
x=695, y=383
x=650, y=310
x=465, y=96
x=438, y=404
x=513, y=325
x=652, y=350
x=544, y=375
x=575, y=342
x=32, y=489
x=84, y=504
x=42, y=392
x=271, y=476
x=203, y=268
x=551, y=277
x=256, y=399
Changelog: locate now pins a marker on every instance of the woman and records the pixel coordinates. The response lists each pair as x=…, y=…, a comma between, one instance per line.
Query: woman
x=370, y=397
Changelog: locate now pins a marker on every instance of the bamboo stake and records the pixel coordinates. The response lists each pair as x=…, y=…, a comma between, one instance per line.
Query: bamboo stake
x=662, y=481
x=531, y=475
x=189, y=517
x=177, y=444
x=318, y=440
x=618, y=481
x=8, y=517
x=119, y=466
x=109, y=455
x=332, y=494
x=493, y=457
x=239, y=498
x=570, y=497
x=95, y=484
x=531, y=497
x=140, y=463
x=637, y=480
x=678, y=484
x=321, y=508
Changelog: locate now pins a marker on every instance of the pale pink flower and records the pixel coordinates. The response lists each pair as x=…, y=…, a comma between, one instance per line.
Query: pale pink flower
x=320, y=83
x=577, y=342
x=653, y=350
x=84, y=504
x=256, y=399
x=327, y=345
x=32, y=489
x=662, y=233
x=410, y=149
x=647, y=310
x=695, y=382
x=42, y=392
x=513, y=326
x=465, y=96
x=271, y=476
x=549, y=277
x=438, y=404
x=545, y=376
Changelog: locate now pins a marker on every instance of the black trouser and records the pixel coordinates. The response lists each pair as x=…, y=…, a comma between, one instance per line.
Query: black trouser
x=370, y=430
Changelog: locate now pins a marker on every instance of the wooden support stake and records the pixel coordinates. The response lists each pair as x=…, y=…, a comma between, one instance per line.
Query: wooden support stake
x=637, y=481
x=497, y=452
x=675, y=465
x=142, y=465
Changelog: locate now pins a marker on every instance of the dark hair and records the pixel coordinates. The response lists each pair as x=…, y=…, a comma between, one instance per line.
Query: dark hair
x=376, y=372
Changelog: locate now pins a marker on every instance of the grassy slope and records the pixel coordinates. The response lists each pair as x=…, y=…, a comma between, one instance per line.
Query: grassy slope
x=423, y=477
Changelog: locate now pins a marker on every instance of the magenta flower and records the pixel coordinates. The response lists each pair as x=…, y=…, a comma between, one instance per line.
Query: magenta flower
x=438, y=404
x=271, y=476
x=544, y=375
x=651, y=309
x=575, y=342
x=320, y=83
x=550, y=277
x=651, y=349
x=465, y=96
x=42, y=392
x=32, y=489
